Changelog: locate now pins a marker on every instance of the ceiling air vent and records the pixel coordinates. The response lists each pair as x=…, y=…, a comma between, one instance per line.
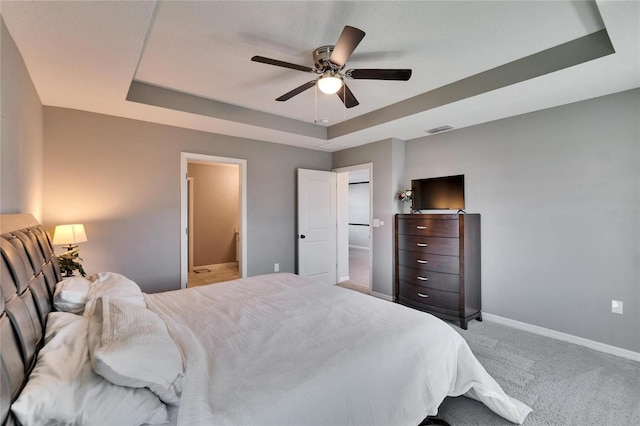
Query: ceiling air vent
x=439, y=129
x=331, y=147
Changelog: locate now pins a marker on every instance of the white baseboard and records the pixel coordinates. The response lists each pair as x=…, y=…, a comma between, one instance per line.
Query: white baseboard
x=592, y=344
x=343, y=279
x=351, y=246
x=383, y=296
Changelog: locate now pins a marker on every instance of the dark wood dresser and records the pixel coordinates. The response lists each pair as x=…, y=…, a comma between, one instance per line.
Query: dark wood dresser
x=437, y=264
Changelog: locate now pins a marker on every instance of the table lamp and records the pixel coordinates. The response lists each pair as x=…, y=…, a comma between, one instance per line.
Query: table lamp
x=69, y=236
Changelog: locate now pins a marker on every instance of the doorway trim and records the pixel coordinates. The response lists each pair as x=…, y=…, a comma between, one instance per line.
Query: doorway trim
x=342, y=220
x=190, y=221
x=185, y=159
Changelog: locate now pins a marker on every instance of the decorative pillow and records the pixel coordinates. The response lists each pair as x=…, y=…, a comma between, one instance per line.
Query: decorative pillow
x=63, y=388
x=130, y=346
x=113, y=285
x=71, y=295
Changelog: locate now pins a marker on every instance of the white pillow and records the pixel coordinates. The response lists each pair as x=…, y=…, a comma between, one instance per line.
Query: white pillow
x=71, y=295
x=113, y=285
x=130, y=346
x=63, y=389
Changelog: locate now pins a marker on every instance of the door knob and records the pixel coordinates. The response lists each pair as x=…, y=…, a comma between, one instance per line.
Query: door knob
x=303, y=236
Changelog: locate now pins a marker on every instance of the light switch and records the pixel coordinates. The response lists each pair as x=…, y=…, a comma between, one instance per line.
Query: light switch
x=376, y=223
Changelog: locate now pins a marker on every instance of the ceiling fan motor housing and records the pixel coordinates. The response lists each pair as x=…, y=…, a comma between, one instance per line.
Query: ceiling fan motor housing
x=321, y=58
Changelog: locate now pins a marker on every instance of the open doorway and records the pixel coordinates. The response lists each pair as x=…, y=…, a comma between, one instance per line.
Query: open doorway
x=214, y=216
x=213, y=245
x=354, y=227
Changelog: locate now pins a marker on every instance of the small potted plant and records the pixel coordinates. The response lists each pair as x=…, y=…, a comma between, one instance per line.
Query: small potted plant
x=405, y=196
x=70, y=261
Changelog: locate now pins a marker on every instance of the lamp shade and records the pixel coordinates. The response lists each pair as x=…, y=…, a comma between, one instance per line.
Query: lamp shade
x=69, y=234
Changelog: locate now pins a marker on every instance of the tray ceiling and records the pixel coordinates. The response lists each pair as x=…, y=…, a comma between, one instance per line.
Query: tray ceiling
x=188, y=63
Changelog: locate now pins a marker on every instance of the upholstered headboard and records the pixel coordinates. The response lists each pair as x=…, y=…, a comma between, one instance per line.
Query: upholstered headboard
x=29, y=272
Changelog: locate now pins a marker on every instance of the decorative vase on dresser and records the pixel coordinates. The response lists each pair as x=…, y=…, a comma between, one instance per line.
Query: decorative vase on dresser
x=437, y=265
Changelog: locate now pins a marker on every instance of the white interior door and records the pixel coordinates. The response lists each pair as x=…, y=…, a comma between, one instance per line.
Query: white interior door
x=317, y=225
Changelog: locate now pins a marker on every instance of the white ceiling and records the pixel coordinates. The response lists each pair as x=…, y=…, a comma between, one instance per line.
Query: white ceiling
x=85, y=54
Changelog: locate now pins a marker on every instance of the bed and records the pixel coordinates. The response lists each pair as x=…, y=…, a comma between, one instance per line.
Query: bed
x=274, y=349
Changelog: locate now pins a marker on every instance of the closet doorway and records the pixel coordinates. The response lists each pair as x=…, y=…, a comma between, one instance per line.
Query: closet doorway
x=214, y=217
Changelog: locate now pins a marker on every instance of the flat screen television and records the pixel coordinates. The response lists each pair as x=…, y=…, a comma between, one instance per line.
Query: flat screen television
x=440, y=193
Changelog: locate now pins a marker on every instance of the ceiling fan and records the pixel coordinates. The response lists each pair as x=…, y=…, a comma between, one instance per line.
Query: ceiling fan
x=329, y=63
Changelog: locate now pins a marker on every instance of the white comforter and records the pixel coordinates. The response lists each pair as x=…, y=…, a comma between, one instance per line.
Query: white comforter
x=280, y=350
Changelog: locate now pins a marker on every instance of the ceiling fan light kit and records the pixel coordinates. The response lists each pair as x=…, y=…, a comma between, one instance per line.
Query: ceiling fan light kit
x=329, y=62
x=329, y=83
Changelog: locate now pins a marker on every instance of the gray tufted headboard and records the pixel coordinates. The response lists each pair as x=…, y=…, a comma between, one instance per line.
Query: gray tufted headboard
x=29, y=272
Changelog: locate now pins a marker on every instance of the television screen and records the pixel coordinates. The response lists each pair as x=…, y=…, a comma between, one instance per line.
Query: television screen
x=441, y=193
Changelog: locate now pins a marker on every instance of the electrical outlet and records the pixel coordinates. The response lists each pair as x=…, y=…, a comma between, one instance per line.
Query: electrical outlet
x=276, y=267
x=616, y=306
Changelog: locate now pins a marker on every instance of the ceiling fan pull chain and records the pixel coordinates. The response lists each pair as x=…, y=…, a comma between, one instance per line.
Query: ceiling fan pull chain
x=344, y=103
x=315, y=103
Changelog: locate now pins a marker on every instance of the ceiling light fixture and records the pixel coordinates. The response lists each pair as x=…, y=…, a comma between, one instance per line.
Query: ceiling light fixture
x=329, y=83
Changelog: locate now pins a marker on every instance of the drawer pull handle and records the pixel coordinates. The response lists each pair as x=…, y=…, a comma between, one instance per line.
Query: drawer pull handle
x=423, y=295
x=421, y=227
x=421, y=261
x=423, y=278
x=421, y=244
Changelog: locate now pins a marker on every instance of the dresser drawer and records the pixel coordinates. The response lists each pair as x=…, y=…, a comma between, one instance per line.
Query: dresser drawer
x=429, y=227
x=429, y=279
x=430, y=297
x=429, y=262
x=433, y=245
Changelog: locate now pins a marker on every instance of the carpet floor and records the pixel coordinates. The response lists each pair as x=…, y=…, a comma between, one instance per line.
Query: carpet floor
x=358, y=271
x=564, y=384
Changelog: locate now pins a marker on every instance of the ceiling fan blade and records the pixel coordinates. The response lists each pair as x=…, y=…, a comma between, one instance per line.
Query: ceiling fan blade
x=379, y=74
x=351, y=100
x=297, y=91
x=278, y=63
x=346, y=44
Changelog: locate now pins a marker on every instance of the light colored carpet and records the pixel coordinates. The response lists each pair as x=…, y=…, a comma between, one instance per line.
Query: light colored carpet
x=358, y=271
x=565, y=384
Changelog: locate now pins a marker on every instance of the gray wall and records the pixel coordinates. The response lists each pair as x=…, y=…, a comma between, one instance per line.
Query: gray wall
x=386, y=156
x=216, y=212
x=21, y=140
x=559, y=195
x=120, y=178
